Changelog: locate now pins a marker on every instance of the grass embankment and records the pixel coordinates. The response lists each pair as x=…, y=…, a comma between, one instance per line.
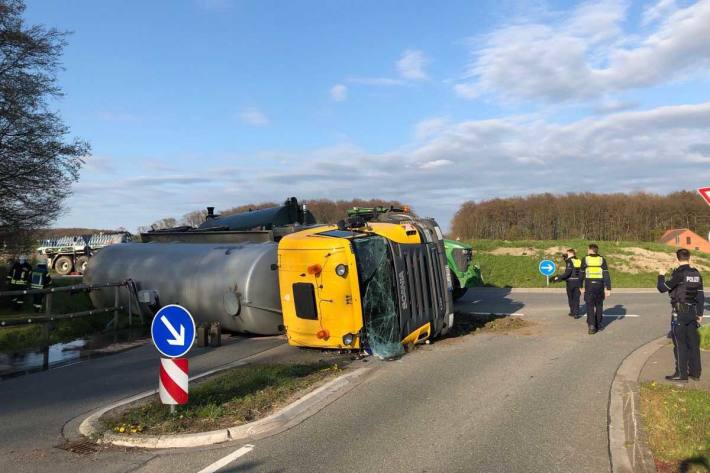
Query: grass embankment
x=24, y=337
x=234, y=397
x=631, y=264
x=678, y=425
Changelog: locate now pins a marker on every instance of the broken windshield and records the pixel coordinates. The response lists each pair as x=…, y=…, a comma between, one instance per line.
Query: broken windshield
x=377, y=290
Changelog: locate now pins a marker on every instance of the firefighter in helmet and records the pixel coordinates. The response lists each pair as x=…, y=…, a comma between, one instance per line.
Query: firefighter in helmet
x=18, y=279
x=40, y=279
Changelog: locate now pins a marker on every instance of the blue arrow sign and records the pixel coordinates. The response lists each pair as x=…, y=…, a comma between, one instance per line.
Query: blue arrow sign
x=547, y=267
x=173, y=331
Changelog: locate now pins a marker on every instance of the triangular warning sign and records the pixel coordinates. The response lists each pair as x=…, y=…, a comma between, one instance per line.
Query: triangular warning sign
x=705, y=192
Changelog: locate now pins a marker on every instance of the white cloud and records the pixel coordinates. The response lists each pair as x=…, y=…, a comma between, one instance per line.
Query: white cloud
x=429, y=127
x=386, y=81
x=659, y=150
x=589, y=55
x=411, y=65
x=254, y=117
x=659, y=10
x=339, y=93
x=437, y=163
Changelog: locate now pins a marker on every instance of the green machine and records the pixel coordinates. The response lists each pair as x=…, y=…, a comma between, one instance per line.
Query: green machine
x=459, y=256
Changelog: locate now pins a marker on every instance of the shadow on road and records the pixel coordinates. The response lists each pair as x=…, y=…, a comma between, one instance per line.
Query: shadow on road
x=612, y=314
x=479, y=307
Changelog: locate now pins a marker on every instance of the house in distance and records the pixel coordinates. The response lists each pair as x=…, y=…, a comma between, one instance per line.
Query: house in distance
x=685, y=238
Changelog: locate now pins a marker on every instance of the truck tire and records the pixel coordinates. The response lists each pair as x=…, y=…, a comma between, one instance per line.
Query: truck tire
x=458, y=291
x=63, y=265
x=81, y=263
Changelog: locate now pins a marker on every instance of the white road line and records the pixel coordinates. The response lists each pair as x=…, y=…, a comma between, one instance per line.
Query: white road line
x=221, y=463
x=497, y=314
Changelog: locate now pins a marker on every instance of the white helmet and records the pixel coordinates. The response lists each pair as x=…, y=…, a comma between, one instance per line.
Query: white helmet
x=23, y=259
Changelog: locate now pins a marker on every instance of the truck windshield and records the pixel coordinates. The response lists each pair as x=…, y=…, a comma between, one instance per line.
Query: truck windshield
x=378, y=296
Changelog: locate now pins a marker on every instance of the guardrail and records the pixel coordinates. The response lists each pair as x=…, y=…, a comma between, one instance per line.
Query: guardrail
x=48, y=317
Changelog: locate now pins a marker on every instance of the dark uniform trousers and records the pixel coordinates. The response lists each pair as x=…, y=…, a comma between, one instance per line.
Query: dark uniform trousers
x=686, y=341
x=594, y=297
x=573, y=292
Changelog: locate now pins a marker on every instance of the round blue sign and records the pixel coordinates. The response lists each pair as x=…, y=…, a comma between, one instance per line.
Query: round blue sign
x=173, y=331
x=547, y=267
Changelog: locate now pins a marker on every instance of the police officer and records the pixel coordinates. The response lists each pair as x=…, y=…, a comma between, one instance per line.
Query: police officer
x=573, y=266
x=687, y=298
x=596, y=286
x=18, y=279
x=40, y=279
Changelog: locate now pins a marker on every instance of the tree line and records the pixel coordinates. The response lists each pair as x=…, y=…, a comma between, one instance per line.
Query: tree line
x=324, y=210
x=612, y=217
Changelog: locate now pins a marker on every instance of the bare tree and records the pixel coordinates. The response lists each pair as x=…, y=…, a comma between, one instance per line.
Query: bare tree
x=38, y=162
x=194, y=218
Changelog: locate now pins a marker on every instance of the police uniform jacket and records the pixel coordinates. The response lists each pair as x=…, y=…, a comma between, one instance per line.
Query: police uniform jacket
x=572, y=270
x=686, y=290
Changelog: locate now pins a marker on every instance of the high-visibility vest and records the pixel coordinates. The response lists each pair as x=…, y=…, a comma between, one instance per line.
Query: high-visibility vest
x=576, y=264
x=38, y=279
x=594, y=267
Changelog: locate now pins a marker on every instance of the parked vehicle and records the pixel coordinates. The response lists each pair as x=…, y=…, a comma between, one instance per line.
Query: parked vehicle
x=69, y=254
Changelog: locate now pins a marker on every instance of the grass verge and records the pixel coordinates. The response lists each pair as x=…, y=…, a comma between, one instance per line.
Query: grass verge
x=678, y=425
x=234, y=397
x=705, y=337
x=515, y=263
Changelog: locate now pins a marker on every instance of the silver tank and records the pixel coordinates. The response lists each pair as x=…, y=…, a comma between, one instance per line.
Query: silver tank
x=229, y=283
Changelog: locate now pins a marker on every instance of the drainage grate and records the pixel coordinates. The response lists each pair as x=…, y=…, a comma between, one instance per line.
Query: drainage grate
x=80, y=447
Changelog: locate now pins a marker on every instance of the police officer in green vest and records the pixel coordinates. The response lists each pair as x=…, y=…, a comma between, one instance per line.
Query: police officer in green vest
x=571, y=277
x=18, y=279
x=596, y=286
x=40, y=279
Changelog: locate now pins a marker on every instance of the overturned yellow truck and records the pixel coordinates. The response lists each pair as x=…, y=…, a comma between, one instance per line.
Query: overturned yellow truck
x=357, y=285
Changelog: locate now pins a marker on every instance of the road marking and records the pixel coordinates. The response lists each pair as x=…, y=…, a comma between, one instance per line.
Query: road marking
x=497, y=314
x=221, y=463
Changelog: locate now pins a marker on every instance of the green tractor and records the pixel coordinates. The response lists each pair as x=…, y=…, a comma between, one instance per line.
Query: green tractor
x=459, y=256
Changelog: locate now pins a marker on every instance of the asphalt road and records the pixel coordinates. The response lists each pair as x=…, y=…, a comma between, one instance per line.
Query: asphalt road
x=531, y=400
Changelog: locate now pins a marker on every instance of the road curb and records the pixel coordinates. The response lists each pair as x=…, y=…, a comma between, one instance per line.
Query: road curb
x=285, y=418
x=628, y=447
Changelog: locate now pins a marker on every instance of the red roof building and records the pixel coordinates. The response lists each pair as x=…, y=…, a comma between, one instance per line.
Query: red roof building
x=684, y=238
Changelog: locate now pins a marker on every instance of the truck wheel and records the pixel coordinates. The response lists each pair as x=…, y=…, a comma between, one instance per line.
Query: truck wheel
x=63, y=265
x=458, y=291
x=81, y=263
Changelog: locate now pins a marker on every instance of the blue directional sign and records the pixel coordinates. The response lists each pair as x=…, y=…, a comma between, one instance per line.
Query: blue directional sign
x=547, y=267
x=173, y=331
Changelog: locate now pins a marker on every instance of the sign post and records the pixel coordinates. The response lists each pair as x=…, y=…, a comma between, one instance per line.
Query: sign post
x=173, y=333
x=705, y=193
x=547, y=268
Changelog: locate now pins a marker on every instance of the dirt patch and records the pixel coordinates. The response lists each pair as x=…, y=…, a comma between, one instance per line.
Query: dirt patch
x=639, y=260
x=556, y=250
x=466, y=324
x=514, y=251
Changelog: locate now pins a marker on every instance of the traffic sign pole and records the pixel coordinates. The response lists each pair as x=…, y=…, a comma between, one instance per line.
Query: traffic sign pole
x=547, y=268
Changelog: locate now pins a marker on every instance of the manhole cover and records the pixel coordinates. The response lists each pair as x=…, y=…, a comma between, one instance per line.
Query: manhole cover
x=80, y=447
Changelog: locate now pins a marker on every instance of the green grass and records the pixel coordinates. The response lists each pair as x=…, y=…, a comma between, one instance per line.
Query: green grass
x=705, y=337
x=522, y=271
x=234, y=397
x=678, y=425
x=19, y=338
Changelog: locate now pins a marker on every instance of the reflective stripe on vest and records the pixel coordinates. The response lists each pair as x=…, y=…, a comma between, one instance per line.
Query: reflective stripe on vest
x=594, y=267
x=577, y=263
x=37, y=280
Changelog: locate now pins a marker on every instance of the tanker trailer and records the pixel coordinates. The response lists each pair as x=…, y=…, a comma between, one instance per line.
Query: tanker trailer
x=235, y=284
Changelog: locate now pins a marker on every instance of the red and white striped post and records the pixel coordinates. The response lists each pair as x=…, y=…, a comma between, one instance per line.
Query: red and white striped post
x=173, y=381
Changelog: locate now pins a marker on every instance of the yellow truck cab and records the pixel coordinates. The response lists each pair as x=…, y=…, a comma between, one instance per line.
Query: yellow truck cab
x=357, y=285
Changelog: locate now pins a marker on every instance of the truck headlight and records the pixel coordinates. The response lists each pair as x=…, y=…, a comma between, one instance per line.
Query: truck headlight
x=348, y=339
x=341, y=270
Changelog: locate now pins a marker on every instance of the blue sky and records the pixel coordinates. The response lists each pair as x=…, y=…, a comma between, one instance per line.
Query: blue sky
x=223, y=102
